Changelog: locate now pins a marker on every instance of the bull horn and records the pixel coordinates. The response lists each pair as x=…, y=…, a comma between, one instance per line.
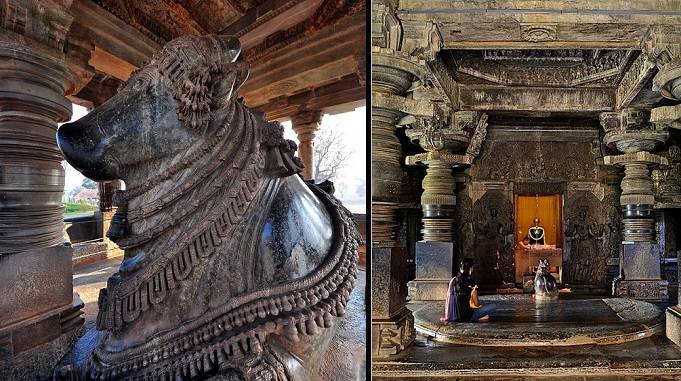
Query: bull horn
x=231, y=47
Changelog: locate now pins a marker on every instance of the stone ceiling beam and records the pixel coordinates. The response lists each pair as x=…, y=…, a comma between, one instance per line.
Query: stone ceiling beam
x=320, y=60
x=530, y=24
x=342, y=96
x=111, y=34
x=269, y=17
x=540, y=99
x=107, y=63
x=635, y=80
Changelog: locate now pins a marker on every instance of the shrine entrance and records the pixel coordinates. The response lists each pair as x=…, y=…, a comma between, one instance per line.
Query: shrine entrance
x=545, y=243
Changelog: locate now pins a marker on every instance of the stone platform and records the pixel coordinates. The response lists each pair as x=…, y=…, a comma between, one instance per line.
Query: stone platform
x=519, y=321
x=650, y=359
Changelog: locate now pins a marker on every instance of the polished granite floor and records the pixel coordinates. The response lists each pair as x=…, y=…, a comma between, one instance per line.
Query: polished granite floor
x=522, y=308
x=654, y=358
x=521, y=321
x=649, y=358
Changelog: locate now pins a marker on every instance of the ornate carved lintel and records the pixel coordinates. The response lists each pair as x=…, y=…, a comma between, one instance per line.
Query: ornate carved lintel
x=538, y=32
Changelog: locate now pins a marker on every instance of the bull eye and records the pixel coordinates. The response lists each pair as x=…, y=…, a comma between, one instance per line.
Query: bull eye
x=140, y=83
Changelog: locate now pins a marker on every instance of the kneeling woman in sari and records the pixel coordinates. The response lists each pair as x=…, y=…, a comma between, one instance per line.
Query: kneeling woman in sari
x=462, y=303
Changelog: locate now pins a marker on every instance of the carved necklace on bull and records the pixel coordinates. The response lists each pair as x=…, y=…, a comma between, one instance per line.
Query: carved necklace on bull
x=194, y=110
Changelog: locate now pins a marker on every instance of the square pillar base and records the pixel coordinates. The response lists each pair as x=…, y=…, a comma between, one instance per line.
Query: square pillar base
x=673, y=324
x=392, y=324
x=392, y=335
x=434, y=269
x=648, y=290
x=37, y=307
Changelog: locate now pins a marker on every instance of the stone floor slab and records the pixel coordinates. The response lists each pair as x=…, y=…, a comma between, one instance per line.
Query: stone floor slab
x=519, y=321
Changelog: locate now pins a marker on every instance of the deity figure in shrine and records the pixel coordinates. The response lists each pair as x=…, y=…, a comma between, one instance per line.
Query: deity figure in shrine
x=536, y=233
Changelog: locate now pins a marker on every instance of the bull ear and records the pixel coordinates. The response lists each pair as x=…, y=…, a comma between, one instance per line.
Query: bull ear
x=226, y=86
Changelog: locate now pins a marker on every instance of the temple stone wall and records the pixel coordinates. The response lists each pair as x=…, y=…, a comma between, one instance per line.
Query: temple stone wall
x=541, y=163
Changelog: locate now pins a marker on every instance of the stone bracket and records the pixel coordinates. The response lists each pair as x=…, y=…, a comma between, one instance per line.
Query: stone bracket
x=402, y=104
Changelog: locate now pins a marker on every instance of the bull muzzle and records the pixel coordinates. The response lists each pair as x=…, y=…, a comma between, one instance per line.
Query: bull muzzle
x=81, y=142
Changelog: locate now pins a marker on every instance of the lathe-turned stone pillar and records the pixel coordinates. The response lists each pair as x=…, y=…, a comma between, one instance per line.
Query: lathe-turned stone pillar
x=392, y=324
x=305, y=125
x=664, y=45
x=37, y=304
x=435, y=259
x=629, y=132
x=106, y=212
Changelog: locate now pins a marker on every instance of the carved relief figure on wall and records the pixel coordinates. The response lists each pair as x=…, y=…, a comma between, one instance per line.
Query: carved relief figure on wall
x=585, y=235
x=233, y=265
x=493, y=232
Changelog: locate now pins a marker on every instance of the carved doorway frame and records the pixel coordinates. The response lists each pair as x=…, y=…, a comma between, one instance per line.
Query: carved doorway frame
x=548, y=188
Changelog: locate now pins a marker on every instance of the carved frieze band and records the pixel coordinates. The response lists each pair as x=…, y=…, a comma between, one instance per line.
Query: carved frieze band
x=639, y=73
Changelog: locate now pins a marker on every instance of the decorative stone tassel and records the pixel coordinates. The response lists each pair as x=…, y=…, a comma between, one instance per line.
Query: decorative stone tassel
x=120, y=228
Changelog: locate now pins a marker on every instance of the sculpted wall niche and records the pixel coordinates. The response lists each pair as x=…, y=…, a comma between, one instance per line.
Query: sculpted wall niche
x=234, y=268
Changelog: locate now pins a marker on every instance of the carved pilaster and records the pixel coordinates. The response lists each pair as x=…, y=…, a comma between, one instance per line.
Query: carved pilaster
x=305, y=125
x=667, y=181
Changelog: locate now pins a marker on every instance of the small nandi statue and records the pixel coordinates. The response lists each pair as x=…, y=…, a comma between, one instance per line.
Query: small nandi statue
x=544, y=284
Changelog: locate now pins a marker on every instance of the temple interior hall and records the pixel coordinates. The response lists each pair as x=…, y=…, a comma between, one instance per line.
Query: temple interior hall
x=539, y=141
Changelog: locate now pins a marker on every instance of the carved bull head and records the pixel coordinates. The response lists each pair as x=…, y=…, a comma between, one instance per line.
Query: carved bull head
x=165, y=107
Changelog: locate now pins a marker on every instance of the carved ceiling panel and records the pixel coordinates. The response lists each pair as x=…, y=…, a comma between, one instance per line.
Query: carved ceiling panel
x=552, y=68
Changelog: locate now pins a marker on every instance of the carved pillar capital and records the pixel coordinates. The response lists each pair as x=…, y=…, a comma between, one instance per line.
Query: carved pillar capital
x=663, y=45
x=629, y=131
x=426, y=42
x=387, y=31
x=305, y=124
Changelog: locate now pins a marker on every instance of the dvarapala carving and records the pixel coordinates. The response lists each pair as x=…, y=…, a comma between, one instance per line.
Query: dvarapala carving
x=232, y=264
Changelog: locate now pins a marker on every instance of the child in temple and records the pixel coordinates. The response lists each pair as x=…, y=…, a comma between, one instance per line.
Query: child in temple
x=462, y=303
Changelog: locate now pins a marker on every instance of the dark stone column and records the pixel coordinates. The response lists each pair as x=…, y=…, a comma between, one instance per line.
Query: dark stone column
x=442, y=137
x=629, y=132
x=37, y=304
x=392, y=323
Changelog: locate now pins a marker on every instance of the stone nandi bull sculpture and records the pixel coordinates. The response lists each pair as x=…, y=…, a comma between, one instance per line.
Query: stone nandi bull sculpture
x=545, y=287
x=233, y=266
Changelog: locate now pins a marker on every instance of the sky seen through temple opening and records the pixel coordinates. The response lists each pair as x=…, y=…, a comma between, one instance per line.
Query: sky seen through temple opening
x=350, y=181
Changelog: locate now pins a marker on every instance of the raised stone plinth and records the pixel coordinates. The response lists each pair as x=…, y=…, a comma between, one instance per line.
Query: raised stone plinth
x=434, y=268
x=520, y=321
x=392, y=324
x=37, y=303
x=673, y=324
